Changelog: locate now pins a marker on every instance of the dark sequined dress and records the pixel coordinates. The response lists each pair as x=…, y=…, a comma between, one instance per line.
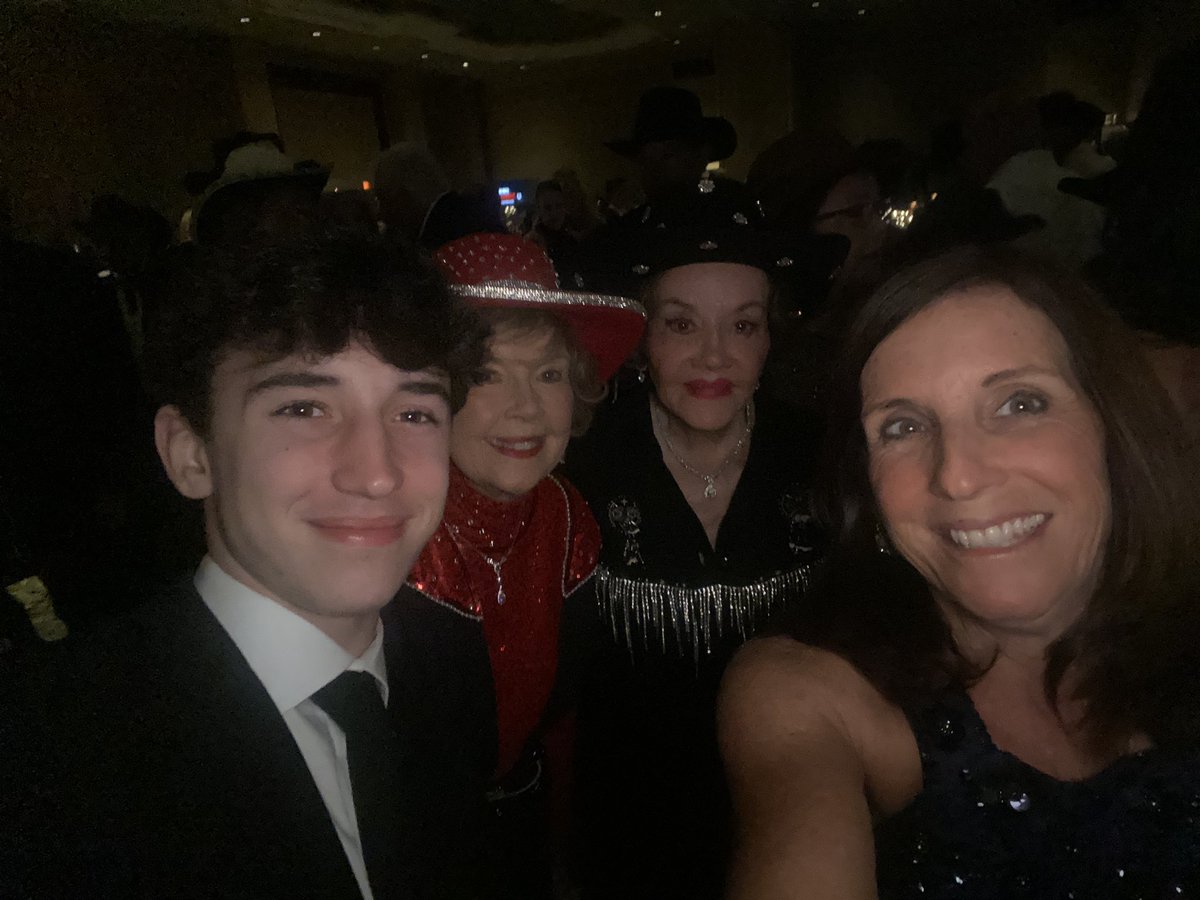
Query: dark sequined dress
x=986, y=825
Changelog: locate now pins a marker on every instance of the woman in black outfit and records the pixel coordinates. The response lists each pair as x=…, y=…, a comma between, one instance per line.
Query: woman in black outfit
x=701, y=488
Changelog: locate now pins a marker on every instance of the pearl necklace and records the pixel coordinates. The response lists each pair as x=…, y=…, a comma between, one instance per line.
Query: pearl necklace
x=710, y=486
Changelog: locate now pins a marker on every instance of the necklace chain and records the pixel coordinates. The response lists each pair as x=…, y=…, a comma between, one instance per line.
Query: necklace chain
x=710, y=487
x=496, y=564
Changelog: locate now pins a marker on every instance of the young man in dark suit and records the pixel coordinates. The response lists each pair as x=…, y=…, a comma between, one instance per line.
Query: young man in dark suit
x=260, y=732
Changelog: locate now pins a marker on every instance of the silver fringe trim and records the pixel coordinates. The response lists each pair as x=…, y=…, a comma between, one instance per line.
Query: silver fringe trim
x=640, y=610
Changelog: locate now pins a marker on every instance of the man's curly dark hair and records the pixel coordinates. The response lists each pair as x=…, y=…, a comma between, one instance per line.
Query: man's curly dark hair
x=305, y=287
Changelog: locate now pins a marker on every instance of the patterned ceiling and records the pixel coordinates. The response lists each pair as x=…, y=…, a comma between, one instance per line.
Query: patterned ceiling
x=512, y=22
x=493, y=35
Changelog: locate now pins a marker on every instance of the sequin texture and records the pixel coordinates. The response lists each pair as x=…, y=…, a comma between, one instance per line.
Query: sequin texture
x=550, y=543
x=989, y=827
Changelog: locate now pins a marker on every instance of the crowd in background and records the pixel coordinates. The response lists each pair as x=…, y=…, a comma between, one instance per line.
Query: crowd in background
x=634, y=800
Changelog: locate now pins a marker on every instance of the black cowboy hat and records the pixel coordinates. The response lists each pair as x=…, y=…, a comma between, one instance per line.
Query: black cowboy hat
x=1103, y=189
x=957, y=217
x=674, y=114
x=718, y=220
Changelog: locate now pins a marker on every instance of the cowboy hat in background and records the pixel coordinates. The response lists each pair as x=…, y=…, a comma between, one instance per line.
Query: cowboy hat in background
x=674, y=114
x=255, y=175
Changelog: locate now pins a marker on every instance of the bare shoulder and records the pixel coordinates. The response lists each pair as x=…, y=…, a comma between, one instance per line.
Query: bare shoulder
x=769, y=676
x=780, y=695
x=762, y=656
x=814, y=756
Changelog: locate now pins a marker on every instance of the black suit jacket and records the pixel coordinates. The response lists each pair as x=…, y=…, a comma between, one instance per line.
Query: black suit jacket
x=149, y=761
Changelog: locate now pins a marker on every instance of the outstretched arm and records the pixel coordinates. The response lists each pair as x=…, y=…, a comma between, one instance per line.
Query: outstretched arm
x=811, y=751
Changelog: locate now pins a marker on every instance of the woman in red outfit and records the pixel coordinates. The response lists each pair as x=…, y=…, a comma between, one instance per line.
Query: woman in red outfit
x=517, y=541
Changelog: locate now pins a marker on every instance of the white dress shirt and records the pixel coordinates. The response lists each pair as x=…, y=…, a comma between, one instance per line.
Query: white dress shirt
x=294, y=659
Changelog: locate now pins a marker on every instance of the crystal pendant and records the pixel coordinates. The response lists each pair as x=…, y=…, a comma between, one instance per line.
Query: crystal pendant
x=710, y=487
x=500, y=595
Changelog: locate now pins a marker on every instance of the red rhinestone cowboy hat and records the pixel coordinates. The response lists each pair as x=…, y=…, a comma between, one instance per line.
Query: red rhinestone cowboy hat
x=506, y=270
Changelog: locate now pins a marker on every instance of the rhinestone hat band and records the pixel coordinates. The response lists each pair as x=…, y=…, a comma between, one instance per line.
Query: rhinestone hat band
x=528, y=292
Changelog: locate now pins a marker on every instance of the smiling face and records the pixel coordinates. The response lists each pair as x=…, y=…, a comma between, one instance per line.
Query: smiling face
x=988, y=462
x=707, y=341
x=516, y=423
x=322, y=478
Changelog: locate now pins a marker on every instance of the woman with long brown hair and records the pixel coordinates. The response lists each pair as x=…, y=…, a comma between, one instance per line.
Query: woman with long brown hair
x=992, y=695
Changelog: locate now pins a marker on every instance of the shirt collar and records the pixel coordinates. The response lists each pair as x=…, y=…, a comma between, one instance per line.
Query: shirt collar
x=291, y=657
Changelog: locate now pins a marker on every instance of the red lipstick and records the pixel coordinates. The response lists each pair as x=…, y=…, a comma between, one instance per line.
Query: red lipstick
x=518, y=448
x=702, y=389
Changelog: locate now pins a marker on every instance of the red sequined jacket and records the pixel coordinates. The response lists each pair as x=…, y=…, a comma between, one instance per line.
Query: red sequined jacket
x=510, y=566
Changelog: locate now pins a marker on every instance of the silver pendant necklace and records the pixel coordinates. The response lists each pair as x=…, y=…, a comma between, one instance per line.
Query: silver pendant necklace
x=495, y=564
x=709, y=479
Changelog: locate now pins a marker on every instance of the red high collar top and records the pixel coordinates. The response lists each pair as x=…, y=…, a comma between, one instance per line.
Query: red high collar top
x=510, y=566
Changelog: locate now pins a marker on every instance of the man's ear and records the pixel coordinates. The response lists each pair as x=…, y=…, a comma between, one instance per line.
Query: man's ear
x=183, y=453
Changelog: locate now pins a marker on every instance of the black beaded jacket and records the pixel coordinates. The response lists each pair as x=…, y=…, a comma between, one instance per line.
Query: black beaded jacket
x=667, y=614
x=661, y=585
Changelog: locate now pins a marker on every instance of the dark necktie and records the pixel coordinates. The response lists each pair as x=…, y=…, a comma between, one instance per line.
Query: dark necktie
x=352, y=700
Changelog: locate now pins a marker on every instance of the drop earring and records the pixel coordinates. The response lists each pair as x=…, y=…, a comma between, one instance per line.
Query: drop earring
x=883, y=543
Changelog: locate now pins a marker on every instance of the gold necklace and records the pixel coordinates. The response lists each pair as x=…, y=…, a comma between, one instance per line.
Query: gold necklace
x=710, y=480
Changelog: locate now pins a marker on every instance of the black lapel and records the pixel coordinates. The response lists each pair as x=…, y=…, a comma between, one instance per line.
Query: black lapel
x=256, y=812
x=442, y=705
